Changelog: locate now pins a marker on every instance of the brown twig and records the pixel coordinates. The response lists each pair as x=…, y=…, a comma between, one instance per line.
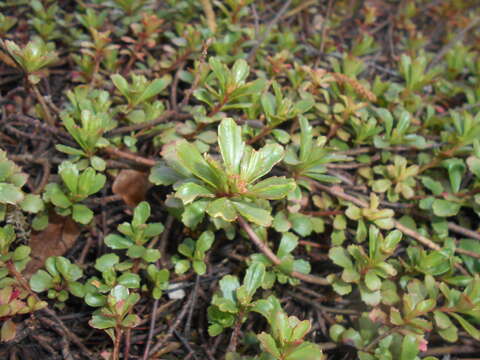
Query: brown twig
x=129, y=156
x=321, y=307
x=209, y=14
x=188, y=323
x=466, y=232
x=175, y=325
x=153, y=318
x=263, y=247
x=269, y=27
x=167, y=115
x=48, y=116
x=24, y=283
x=232, y=346
x=337, y=191
x=456, y=40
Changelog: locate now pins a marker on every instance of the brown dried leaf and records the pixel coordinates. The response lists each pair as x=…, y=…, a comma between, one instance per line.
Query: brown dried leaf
x=131, y=186
x=59, y=236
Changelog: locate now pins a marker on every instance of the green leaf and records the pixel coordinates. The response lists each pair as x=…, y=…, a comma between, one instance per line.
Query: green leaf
x=287, y=244
x=153, y=89
x=191, y=159
x=70, y=176
x=222, y=208
x=121, y=84
x=381, y=185
x=442, y=320
x=445, y=208
x=163, y=175
x=41, y=281
x=141, y=214
x=199, y=267
x=32, y=204
x=472, y=264
x=136, y=251
x=151, y=255
x=280, y=222
x=95, y=300
x=69, y=150
x=153, y=229
x=273, y=188
x=300, y=330
x=269, y=345
x=409, y=349
x=468, y=327
x=56, y=196
x=117, y=242
x=9, y=330
x=306, y=351
x=69, y=271
x=21, y=253
x=98, y=163
x=256, y=164
x=102, y=322
x=130, y=321
x=456, y=168
x=474, y=165
x=76, y=289
x=450, y=334
x=435, y=187
x=194, y=213
x=231, y=144
x=339, y=257
x=253, y=213
x=301, y=224
x=306, y=138
x=129, y=280
x=182, y=266
x=254, y=278
x=240, y=71
x=229, y=285
x=372, y=281
x=205, y=241
x=106, y=262
x=81, y=214
x=10, y=194
x=188, y=192
x=119, y=293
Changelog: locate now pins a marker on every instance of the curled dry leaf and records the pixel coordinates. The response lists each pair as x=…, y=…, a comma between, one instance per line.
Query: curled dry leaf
x=131, y=186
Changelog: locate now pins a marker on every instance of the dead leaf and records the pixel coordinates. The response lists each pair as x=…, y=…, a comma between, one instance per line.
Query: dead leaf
x=59, y=236
x=131, y=186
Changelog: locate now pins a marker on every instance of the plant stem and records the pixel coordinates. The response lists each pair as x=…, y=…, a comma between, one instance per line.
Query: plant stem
x=338, y=192
x=232, y=346
x=265, y=131
x=24, y=283
x=274, y=259
x=43, y=104
x=209, y=14
x=116, y=344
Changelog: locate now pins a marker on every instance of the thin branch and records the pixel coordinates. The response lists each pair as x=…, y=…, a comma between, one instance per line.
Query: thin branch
x=317, y=305
x=457, y=39
x=269, y=27
x=338, y=192
x=263, y=247
x=175, y=325
x=129, y=156
x=143, y=126
x=209, y=14
x=48, y=117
